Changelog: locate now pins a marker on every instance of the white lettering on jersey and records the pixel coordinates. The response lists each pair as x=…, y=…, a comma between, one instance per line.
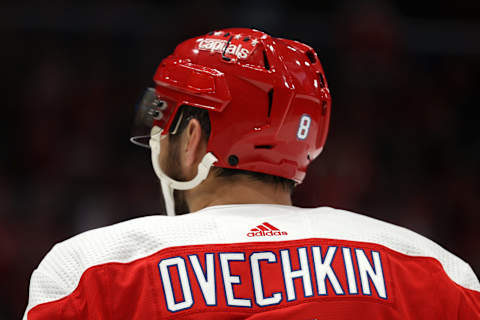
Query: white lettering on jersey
x=229, y=280
x=303, y=272
x=263, y=268
x=260, y=299
x=375, y=274
x=350, y=271
x=165, y=265
x=205, y=278
x=324, y=271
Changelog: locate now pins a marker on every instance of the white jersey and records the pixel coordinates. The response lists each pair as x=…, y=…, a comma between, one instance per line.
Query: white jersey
x=237, y=261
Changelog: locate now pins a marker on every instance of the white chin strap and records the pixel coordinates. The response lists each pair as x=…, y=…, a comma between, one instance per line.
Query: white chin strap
x=169, y=184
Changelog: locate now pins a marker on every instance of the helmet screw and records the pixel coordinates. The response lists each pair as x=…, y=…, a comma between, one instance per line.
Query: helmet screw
x=233, y=160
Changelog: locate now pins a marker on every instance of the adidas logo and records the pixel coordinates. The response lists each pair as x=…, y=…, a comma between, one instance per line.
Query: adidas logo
x=266, y=230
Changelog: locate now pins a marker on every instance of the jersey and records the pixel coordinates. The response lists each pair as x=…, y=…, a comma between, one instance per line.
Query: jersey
x=253, y=262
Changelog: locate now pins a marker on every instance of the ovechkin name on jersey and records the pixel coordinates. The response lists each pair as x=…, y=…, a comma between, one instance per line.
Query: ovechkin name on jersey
x=251, y=278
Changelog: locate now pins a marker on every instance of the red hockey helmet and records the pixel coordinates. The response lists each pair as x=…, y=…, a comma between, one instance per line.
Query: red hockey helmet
x=267, y=99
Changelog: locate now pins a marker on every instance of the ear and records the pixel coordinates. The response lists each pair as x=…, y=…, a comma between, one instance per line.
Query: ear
x=193, y=146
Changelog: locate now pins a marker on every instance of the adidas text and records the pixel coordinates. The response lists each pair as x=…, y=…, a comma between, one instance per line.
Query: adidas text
x=266, y=233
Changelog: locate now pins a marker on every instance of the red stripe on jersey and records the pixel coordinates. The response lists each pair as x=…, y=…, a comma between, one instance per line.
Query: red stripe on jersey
x=270, y=226
x=262, y=228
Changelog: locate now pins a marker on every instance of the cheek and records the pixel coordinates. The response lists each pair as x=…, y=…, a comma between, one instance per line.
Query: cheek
x=162, y=158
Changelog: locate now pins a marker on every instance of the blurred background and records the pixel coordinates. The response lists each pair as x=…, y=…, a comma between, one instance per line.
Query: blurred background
x=404, y=143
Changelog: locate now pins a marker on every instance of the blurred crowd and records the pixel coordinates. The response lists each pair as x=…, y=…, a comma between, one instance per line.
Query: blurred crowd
x=404, y=144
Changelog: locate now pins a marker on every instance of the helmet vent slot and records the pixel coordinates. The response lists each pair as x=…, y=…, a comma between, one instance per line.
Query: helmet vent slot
x=265, y=61
x=311, y=56
x=270, y=102
x=322, y=80
x=264, y=146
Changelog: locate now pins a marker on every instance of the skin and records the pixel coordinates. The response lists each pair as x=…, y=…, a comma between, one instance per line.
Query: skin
x=187, y=152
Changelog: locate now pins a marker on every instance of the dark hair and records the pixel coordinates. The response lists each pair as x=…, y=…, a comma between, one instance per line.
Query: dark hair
x=188, y=113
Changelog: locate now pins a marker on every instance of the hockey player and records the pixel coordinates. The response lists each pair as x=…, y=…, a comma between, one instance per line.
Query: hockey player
x=235, y=118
